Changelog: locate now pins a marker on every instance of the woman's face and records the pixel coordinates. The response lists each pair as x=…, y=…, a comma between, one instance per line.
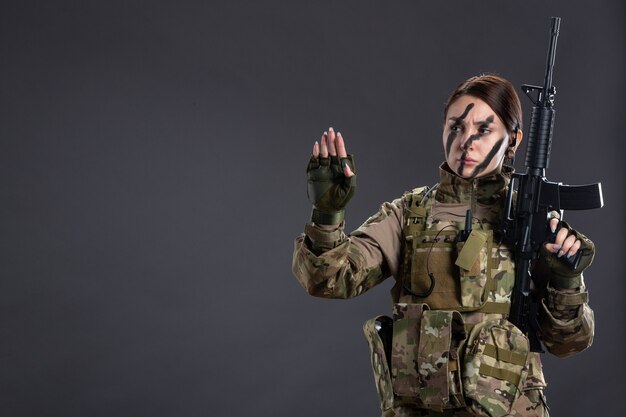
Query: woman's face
x=475, y=140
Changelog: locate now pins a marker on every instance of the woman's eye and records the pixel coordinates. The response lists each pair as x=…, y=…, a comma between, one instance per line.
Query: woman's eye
x=484, y=131
x=455, y=128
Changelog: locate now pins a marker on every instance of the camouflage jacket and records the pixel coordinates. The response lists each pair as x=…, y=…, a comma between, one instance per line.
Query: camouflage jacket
x=330, y=264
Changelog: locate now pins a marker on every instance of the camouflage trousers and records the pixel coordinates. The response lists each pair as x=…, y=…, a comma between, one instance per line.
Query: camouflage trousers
x=531, y=403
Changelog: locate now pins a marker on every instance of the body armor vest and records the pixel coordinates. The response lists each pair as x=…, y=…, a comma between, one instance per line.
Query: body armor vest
x=448, y=344
x=475, y=274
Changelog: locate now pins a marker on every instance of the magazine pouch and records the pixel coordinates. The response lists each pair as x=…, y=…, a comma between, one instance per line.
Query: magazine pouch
x=495, y=367
x=404, y=348
x=441, y=333
x=378, y=334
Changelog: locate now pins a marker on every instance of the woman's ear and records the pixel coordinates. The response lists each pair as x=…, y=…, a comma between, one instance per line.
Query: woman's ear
x=517, y=140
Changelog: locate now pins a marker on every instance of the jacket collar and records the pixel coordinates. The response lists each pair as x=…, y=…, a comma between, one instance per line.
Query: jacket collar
x=484, y=190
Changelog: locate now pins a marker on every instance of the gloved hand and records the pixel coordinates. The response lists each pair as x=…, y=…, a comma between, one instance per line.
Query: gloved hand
x=567, y=242
x=331, y=183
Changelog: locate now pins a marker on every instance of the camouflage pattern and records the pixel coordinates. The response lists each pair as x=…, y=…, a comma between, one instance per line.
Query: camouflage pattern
x=567, y=322
x=404, y=348
x=495, y=367
x=502, y=273
x=330, y=264
x=488, y=190
x=431, y=225
x=490, y=278
x=441, y=333
x=534, y=378
x=474, y=280
x=432, y=252
x=333, y=274
x=382, y=375
x=530, y=404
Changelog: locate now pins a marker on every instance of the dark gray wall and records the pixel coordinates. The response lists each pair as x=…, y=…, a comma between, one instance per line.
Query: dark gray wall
x=152, y=160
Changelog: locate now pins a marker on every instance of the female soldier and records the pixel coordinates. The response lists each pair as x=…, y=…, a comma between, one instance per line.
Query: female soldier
x=453, y=351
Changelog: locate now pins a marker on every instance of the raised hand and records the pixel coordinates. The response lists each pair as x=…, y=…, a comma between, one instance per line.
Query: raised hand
x=331, y=181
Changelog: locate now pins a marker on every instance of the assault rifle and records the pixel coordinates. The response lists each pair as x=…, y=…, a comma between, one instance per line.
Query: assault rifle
x=525, y=224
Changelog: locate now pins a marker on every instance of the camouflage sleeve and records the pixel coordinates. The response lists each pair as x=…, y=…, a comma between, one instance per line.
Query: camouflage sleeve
x=566, y=320
x=329, y=264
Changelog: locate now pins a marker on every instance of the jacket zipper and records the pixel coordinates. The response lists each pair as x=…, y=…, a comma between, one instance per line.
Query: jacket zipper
x=473, y=199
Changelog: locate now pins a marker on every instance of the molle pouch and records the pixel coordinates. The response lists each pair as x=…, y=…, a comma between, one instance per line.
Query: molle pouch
x=495, y=367
x=375, y=332
x=532, y=397
x=404, y=348
x=474, y=269
x=433, y=252
x=439, y=370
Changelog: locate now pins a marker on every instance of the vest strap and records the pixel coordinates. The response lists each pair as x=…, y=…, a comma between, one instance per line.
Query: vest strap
x=505, y=355
x=497, y=308
x=501, y=374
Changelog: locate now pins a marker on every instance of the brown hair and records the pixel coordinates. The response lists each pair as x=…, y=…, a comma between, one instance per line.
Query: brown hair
x=498, y=93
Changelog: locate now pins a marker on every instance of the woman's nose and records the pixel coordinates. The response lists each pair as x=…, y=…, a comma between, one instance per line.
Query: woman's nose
x=468, y=137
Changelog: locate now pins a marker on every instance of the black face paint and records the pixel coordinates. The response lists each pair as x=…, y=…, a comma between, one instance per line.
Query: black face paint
x=485, y=123
x=465, y=112
x=452, y=135
x=481, y=167
x=460, y=170
x=468, y=143
x=451, y=138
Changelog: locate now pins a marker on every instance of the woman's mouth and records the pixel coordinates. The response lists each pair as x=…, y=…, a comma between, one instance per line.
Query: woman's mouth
x=467, y=161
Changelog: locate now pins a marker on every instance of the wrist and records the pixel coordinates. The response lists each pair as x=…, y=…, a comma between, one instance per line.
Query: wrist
x=327, y=217
x=567, y=297
x=565, y=282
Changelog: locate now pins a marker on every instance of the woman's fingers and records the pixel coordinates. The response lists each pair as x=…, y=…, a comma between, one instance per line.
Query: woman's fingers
x=332, y=144
x=558, y=241
x=324, y=145
x=575, y=247
x=568, y=245
x=332, y=150
x=553, y=220
x=564, y=244
x=340, y=146
x=346, y=170
x=553, y=224
x=341, y=152
x=553, y=247
x=561, y=235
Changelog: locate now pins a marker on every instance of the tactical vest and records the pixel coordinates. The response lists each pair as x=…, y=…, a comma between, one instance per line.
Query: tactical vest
x=427, y=355
x=476, y=274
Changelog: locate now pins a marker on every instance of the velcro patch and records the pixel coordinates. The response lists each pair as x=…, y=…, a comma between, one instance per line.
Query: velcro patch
x=471, y=249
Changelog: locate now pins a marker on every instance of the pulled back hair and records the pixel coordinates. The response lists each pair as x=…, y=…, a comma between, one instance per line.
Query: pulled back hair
x=498, y=93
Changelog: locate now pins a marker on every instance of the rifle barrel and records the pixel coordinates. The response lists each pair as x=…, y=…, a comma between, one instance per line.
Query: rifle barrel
x=547, y=85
